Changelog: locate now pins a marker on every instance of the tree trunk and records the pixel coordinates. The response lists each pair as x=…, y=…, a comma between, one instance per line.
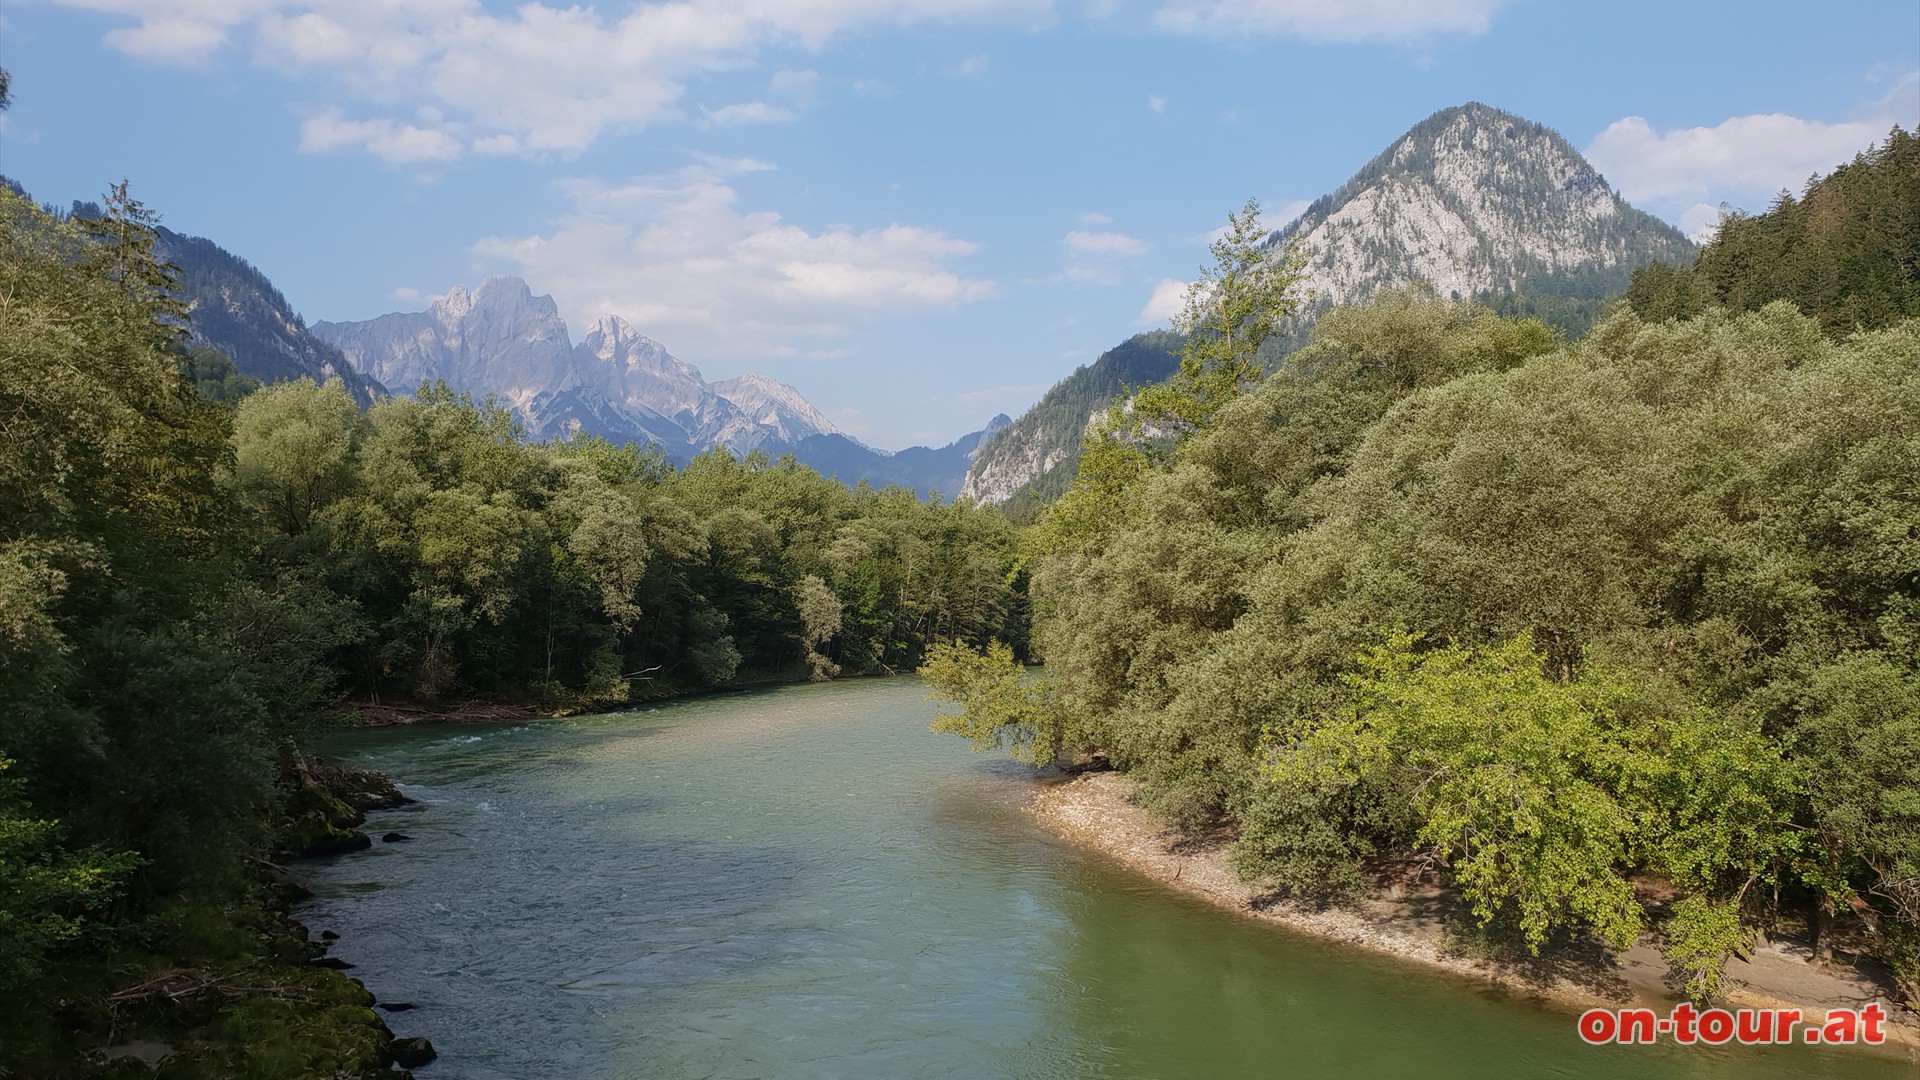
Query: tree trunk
x=1823, y=930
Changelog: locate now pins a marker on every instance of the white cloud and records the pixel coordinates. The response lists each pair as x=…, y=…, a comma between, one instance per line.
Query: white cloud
x=1287, y=214
x=406, y=294
x=1157, y=102
x=388, y=140
x=1328, y=20
x=550, y=77
x=1104, y=243
x=799, y=87
x=170, y=39
x=752, y=112
x=1169, y=299
x=1762, y=153
x=675, y=256
x=1096, y=257
x=553, y=75
x=1095, y=217
x=1700, y=222
x=973, y=67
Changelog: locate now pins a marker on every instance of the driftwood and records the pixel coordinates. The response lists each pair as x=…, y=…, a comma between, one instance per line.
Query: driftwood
x=171, y=985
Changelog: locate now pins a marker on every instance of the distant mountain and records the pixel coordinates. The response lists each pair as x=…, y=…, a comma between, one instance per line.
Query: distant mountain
x=775, y=407
x=501, y=339
x=1042, y=447
x=927, y=471
x=1483, y=204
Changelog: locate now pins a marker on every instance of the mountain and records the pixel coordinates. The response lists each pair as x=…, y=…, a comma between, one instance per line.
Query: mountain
x=501, y=339
x=926, y=470
x=1041, y=448
x=775, y=407
x=233, y=309
x=1483, y=204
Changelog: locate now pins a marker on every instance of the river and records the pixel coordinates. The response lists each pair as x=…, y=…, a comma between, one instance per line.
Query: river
x=804, y=882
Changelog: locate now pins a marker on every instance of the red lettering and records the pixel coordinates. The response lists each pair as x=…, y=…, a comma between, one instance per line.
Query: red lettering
x=1683, y=1017
x=1637, y=1026
x=1871, y=1018
x=1598, y=1026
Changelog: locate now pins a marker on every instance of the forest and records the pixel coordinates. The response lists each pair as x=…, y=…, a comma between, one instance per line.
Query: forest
x=1613, y=634
x=199, y=576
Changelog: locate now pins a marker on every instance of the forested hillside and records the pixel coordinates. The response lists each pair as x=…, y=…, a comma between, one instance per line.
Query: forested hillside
x=1846, y=252
x=234, y=310
x=1609, y=635
x=1031, y=460
x=188, y=586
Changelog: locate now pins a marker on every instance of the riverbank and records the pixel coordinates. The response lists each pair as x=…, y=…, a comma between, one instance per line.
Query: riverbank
x=483, y=711
x=1096, y=811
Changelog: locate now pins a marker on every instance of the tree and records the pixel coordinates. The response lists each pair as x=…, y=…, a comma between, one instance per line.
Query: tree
x=296, y=447
x=819, y=620
x=998, y=706
x=1243, y=299
x=1507, y=772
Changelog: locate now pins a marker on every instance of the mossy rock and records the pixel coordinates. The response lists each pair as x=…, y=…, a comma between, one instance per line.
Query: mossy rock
x=314, y=1023
x=324, y=810
x=362, y=789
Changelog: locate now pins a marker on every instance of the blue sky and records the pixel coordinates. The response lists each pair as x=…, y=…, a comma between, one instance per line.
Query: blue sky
x=918, y=212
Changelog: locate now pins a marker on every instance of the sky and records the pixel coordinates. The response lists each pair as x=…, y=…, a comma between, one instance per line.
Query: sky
x=917, y=212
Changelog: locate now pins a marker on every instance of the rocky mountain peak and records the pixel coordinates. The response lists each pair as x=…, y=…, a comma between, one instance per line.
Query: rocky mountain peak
x=500, y=338
x=776, y=406
x=1476, y=201
x=451, y=308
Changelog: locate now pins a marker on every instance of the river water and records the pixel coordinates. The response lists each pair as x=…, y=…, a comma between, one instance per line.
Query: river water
x=804, y=882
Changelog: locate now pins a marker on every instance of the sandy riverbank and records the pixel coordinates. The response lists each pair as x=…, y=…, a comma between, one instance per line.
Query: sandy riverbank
x=1095, y=810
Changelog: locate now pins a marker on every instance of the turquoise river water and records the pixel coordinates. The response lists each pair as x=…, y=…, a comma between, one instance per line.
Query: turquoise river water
x=805, y=882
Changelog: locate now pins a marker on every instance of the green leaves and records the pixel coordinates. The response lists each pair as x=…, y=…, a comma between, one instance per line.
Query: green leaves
x=996, y=704
x=1243, y=299
x=47, y=890
x=1509, y=772
x=1543, y=798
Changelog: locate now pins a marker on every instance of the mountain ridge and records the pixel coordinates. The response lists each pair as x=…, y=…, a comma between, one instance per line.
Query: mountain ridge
x=501, y=339
x=1483, y=204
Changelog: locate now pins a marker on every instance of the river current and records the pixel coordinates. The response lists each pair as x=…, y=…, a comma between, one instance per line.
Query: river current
x=804, y=882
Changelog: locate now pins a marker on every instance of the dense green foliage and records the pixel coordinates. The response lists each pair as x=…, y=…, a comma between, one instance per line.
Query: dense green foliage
x=1847, y=251
x=192, y=568
x=476, y=563
x=151, y=684
x=1570, y=301
x=1576, y=624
